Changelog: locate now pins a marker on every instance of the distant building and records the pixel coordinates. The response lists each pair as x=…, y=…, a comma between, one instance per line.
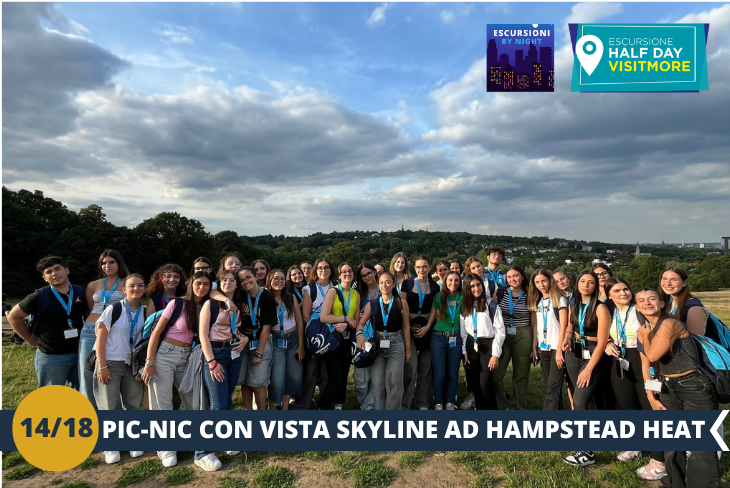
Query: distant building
x=725, y=243
x=702, y=245
x=568, y=261
x=587, y=248
x=638, y=251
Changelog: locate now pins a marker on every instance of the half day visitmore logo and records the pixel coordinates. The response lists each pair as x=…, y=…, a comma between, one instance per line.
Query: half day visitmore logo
x=520, y=58
x=639, y=57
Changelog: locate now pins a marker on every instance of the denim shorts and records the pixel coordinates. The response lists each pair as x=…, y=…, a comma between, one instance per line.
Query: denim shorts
x=255, y=376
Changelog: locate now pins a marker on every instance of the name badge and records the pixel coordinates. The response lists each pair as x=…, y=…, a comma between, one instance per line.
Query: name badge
x=368, y=346
x=128, y=359
x=476, y=346
x=452, y=341
x=586, y=354
x=511, y=330
x=70, y=333
x=624, y=364
x=281, y=342
x=544, y=346
x=235, y=355
x=384, y=343
x=653, y=385
x=253, y=345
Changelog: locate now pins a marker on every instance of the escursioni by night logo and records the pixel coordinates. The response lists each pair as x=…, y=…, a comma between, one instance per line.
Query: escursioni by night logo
x=520, y=58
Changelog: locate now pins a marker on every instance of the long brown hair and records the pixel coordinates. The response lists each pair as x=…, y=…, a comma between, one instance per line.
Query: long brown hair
x=157, y=287
x=111, y=253
x=682, y=299
x=192, y=315
x=392, y=265
x=468, y=303
x=286, y=297
x=590, y=316
x=444, y=295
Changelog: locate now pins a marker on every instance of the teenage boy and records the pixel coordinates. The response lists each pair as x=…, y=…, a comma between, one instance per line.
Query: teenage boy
x=495, y=256
x=58, y=315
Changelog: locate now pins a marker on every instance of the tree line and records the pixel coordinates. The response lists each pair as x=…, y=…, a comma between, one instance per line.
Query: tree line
x=35, y=226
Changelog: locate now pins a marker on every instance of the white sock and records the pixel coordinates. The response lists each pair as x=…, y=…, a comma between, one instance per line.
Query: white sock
x=338, y=408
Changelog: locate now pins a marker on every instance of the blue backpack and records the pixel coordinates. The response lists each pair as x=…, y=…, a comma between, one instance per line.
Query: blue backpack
x=716, y=330
x=140, y=350
x=322, y=339
x=714, y=362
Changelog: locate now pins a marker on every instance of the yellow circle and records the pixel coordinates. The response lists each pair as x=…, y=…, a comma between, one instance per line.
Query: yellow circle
x=66, y=411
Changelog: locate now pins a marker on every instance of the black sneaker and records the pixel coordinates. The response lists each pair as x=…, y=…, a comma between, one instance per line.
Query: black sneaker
x=581, y=458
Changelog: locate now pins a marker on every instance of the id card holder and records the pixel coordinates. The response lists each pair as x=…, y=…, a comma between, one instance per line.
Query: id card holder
x=128, y=359
x=476, y=346
x=653, y=385
x=624, y=364
x=253, y=345
x=586, y=354
x=368, y=346
x=235, y=355
x=384, y=343
x=70, y=333
x=578, y=349
x=452, y=341
x=511, y=330
x=281, y=343
x=619, y=368
x=544, y=347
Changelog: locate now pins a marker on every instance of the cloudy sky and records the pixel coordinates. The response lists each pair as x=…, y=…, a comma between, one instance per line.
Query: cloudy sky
x=296, y=118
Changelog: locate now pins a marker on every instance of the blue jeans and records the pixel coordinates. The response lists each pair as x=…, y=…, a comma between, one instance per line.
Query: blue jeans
x=87, y=339
x=221, y=392
x=201, y=454
x=57, y=369
x=445, y=360
x=286, y=372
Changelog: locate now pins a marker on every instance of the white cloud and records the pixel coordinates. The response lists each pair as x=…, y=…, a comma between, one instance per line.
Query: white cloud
x=175, y=34
x=447, y=16
x=377, y=16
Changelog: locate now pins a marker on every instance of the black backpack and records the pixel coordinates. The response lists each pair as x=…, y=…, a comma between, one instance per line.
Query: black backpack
x=91, y=358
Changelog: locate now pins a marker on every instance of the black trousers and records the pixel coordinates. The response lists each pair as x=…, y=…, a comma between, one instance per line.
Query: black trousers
x=700, y=469
x=553, y=376
x=337, y=365
x=583, y=398
x=313, y=373
x=479, y=374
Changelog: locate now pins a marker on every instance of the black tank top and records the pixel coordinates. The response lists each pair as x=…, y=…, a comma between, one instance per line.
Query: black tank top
x=590, y=328
x=676, y=360
x=395, y=319
x=412, y=297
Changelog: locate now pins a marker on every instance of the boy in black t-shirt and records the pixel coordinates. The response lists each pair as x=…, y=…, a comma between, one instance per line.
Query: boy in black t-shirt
x=58, y=314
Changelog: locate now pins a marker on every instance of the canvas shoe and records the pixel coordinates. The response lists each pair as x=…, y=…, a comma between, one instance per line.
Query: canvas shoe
x=168, y=458
x=135, y=454
x=438, y=407
x=450, y=406
x=111, y=457
x=652, y=471
x=628, y=455
x=233, y=453
x=581, y=458
x=209, y=462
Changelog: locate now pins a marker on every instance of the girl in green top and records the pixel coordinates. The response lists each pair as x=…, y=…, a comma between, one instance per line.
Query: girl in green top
x=446, y=340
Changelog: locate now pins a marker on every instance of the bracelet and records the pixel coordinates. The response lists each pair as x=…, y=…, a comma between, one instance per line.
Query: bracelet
x=215, y=366
x=149, y=362
x=103, y=368
x=258, y=355
x=359, y=334
x=210, y=361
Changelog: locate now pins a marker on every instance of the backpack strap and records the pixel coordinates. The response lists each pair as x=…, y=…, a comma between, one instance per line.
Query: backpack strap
x=215, y=309
x=313, y=290
x=340, y=296
x=492, y=287
x=176, y=312
x=116, y=313
x=500, y=292
x=492, y=309
x=44, y=298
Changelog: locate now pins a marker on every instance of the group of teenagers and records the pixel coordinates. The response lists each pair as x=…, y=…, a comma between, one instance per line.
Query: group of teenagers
x=616, y=348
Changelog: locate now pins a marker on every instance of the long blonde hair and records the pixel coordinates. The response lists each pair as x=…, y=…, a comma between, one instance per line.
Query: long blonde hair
x=534, y=295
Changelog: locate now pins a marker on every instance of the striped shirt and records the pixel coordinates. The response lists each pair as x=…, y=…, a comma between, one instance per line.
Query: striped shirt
x=521, y=315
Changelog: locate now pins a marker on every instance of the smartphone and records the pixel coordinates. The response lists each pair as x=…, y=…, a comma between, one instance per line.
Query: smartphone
x=578, y=349
x=154, y=379
x=619, y=369
x=536, y=361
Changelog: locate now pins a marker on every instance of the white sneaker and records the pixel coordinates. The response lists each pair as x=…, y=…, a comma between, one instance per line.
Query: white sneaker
x=209, y=462
x=438, y=407
x=135, y=454
x=168, y=458
x=111, y=457
x=450, y=406
x=468, y=404
x=233, y=453
x=422, y=408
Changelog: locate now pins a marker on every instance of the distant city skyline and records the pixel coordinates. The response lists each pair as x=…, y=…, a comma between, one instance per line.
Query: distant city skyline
x=294, y=118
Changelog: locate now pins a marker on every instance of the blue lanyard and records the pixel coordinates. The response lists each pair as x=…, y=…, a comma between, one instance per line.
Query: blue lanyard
x=370, y=297
x=545, y=310
x=280, y=313
x=233, y=316
x=104, y=297
x=385, y=316
x=621, y=327
x=421, y=296
x=397, y=288
x=321, y=294
x=512, y=305
x=132, y=322
x=674, y=310
x=299, y=294
x=452, y=311
x=253, y=311
x=66, y=306
x=346, y=305
x=474, y=320
x=582, y=310
x=491, y=276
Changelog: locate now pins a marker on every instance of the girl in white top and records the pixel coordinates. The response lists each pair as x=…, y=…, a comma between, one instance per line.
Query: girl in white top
x=483, y=334
x=543, y=300
x=114, y=342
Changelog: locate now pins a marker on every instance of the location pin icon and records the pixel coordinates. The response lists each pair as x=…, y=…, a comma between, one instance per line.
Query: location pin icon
x=589, y=50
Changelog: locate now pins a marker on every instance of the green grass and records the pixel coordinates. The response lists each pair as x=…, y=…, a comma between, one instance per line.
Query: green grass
x=485, y=481
x=88, y=463
x=313, y=455
x=13, y=458
x=19, y=377
x=473, y=462
x=412, y=460
x=343, y=464
x=274, y=477
x=21, y=473
x=56, y=481
x=181, y=475
x=143, y=470
x=373, y=474
x=76, y=484
x=229, y=482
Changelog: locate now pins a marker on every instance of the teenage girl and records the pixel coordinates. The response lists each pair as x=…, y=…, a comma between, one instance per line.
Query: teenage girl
x=262, y=269
x=367, y=288
x=399, y=269
x=167, y=282
x=680, y=303
x=295, y=283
